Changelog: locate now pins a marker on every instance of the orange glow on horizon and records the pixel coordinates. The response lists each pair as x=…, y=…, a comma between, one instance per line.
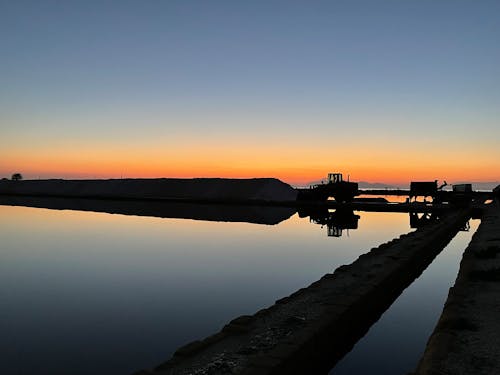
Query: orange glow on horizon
x=293, y=176
x=294, y=165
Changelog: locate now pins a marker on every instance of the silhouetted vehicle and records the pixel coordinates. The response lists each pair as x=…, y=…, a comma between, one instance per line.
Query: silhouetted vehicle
x=423, y=189
x=462, y=188
x=342, y=191
x=496, y=191
x=462, y=195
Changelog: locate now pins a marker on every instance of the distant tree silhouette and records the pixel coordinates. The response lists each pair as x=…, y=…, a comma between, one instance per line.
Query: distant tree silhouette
x=17, y=177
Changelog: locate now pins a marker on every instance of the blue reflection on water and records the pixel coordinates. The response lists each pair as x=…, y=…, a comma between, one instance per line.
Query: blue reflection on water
x=88, y=293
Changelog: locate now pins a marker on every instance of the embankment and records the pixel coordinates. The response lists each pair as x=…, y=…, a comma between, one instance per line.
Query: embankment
x=466, y=339
x=174, y=189
x=309, y=331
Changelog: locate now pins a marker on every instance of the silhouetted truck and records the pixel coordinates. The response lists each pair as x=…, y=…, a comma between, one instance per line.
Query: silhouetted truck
x=335, y=187
x=496, y=191
x=423, y=189
x=462, y=194
x=462, y=188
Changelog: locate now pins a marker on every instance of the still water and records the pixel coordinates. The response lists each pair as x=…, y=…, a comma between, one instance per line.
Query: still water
x=92, y=292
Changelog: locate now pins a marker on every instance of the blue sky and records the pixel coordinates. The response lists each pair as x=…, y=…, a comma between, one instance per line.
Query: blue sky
x=100, y=73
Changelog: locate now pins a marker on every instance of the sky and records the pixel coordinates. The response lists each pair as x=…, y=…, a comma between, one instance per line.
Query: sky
x=385, y=91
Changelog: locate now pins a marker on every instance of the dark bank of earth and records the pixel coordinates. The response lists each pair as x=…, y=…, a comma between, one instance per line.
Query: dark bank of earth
x=223, y=190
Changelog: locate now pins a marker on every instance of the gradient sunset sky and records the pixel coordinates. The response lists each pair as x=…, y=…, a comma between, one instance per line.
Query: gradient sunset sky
x=385, y=91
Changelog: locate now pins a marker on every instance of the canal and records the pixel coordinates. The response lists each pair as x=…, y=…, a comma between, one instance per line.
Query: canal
x=395, y=344
x=91, y=292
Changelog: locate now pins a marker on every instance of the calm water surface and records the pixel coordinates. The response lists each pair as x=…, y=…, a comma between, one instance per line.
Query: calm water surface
x=92, y=293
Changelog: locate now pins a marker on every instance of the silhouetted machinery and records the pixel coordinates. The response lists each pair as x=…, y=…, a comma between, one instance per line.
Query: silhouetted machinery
x=462, y=194
x=423, y=189
x=335, y=222
x=342, y=191
x=496, y=191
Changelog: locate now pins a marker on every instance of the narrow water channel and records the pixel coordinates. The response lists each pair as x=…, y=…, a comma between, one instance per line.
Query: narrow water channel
x=394, y=345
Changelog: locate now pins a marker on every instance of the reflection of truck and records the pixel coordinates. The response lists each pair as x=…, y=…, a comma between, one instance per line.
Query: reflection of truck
x=336, y=187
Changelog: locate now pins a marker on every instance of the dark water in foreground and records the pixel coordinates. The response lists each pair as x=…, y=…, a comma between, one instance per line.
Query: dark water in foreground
x=96, y=293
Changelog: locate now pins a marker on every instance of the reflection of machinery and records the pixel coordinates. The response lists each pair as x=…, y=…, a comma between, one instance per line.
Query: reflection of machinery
x=335, y=221
x=336, y=187
x=419, y=220
x=466, y=227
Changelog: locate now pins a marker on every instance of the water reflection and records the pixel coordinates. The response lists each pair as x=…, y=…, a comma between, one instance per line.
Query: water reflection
x=419, y=220
x=209, y=212
x=126, y=291
x=335, y=221
x=344, y=219
x=466, y=227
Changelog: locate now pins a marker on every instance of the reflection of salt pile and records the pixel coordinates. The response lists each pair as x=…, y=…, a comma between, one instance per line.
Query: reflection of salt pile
x=217, y=189
x=258, y=214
